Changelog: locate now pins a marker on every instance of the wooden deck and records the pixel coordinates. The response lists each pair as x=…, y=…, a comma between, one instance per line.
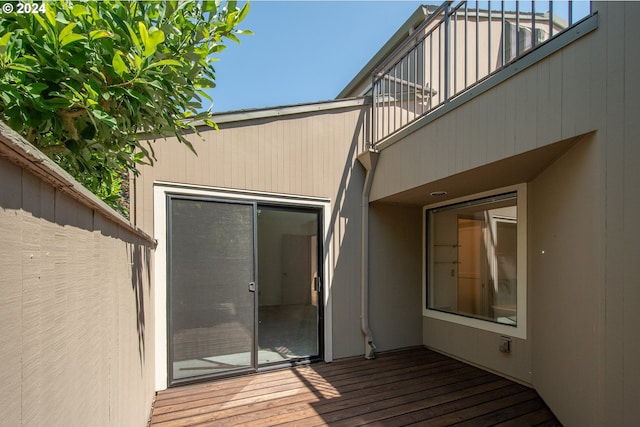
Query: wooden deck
x=414, y=386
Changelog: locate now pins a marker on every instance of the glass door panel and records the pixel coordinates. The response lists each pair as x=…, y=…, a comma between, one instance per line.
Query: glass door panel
x=289, y=300
x=211, y=268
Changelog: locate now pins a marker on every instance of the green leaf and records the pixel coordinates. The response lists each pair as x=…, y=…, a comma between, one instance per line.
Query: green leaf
x=4, y=40
x=22, y=67
x=73, y=37
x=135, y=61
x=210, y=6
x=97, y=34
x=134, y=38
x=233, y=37
x=118, y=64
x=51, y=16
x=79, y=10
x=243, y=12
x=37, y=88
x=211, y=123
x=104, y=117
x=66, y=31
x=163, y=62
x=144, y=35
x=92, y=93
x=46, y=26
x=153, y=40
x=57, y=103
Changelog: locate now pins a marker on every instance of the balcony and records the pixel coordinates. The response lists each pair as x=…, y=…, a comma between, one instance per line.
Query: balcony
x=458, y=47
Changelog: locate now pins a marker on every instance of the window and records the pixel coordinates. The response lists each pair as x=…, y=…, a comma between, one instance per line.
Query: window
x=476, y=261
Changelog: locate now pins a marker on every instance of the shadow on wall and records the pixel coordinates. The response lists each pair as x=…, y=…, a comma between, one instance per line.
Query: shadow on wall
x=140, y=267
x=344, y=235
x=66, y=263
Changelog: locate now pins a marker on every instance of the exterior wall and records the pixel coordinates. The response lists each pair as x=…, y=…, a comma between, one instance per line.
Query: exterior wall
x=581, y=349
x=566, y=284
x=74, y=307
x=395, y=312
x=304, y=154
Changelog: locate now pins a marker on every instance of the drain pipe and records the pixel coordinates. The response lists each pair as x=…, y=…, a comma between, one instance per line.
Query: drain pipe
x=369, y=160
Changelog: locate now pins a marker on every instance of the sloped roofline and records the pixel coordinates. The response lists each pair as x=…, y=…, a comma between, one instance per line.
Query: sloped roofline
x=283, y=110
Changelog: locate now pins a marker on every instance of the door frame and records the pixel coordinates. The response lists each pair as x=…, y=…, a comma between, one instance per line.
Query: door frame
x=318, y=212
x=169, y=199
x=160, y=192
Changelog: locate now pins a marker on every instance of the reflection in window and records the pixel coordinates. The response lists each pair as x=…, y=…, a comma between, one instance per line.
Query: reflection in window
x=472, y=259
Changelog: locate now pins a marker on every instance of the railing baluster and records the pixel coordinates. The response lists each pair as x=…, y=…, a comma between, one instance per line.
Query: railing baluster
x=489, y=37
x=533, y=24
x=550, y=18
x=455, y=52
x=430, y=73
x=570, y=12
x=415, y=78
x=447, y=52
x=466, y=43
x=517, y=29
x=401, y=89
x=424, y=74
x=404, y=81
x=503, y=43
x=395, y=96
x=477, y=41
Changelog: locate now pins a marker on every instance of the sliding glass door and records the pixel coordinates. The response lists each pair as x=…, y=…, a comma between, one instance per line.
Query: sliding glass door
x=290, y=298
x=244, y=286
x=211, y=273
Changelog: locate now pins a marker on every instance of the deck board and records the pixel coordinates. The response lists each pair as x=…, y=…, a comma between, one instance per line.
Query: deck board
x=409, y=387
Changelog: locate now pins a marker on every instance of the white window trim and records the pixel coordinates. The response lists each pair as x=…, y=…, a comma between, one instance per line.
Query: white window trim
x=160, y=192
x=519, y=331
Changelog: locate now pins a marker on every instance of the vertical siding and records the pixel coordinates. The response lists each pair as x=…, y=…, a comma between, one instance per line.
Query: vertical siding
x=583, y=344
x=631, y=206
x=74, y=308
x=394, y=309
x=11, y=297
x=564, y=284
x=309, y=154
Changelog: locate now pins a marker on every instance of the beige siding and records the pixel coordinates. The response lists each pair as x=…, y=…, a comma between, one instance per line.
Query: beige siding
x=310, y=154
x=582, y=347
x=74, y=308
x=565, y=284
x=395, y=313
x=621, y=296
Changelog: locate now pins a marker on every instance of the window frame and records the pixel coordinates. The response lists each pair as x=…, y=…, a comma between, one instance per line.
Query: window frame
x=518, y=331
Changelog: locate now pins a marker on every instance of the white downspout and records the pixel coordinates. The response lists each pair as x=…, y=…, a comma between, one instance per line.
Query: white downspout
x=368, y=160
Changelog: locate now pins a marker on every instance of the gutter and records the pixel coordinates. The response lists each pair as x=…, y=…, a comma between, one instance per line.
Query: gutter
x=369, y=160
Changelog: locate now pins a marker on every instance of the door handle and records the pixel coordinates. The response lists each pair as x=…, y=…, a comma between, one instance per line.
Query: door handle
x=252, y=286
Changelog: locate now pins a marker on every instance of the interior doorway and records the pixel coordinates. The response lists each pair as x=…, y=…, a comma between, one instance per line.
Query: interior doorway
x=244, y=286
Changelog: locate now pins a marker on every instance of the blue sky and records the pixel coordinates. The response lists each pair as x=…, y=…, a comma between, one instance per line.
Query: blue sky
x=303, y=51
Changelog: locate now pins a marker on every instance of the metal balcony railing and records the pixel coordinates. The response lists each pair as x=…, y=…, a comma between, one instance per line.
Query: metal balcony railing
x=461, y=44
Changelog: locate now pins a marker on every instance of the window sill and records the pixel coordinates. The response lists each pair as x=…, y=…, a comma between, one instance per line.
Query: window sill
x=470, y=322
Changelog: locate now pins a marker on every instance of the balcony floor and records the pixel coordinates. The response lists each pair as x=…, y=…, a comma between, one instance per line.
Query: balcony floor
x=415, y=386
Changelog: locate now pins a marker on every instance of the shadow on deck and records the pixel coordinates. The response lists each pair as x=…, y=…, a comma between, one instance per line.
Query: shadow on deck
x=415, y=386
